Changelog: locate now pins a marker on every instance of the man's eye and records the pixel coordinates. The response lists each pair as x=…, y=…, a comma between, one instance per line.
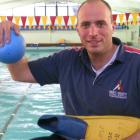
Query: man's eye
x=100, y=24
x=85, y=25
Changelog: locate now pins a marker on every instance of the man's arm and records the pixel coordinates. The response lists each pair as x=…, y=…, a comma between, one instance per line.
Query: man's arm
x=20, y=70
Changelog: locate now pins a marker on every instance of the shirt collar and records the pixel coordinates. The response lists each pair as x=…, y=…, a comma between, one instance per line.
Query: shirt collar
x=110, y=62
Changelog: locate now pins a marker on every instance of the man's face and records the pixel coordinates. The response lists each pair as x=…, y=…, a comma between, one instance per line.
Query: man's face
x=95, y=27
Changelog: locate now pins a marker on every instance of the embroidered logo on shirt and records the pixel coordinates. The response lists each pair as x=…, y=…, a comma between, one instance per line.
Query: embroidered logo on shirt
x=118, y=92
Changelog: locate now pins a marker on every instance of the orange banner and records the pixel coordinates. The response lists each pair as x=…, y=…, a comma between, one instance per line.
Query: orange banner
x=135, y=18
x=44, y=20
x=121, y=17
x=30, y=19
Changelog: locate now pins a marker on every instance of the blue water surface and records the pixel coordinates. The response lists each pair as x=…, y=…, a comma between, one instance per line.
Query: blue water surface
x=21, y=104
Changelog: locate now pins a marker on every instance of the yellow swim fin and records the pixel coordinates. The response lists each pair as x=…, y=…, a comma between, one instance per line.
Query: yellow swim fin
x=110, y=127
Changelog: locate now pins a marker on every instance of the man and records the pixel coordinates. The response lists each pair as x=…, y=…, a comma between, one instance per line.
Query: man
x=102, y=78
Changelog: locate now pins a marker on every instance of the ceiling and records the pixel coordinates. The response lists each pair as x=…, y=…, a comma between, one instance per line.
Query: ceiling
x=117, y=5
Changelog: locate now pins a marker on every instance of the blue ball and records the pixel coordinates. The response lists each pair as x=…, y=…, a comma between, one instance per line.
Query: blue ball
x=14, y=50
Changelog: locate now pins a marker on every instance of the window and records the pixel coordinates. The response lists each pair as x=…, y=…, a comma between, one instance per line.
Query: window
x=42, y=9
x=8, y=12
x=24, y=11
x=62, y=10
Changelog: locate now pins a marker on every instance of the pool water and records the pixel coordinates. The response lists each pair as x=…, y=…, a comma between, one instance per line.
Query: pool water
x=21, y=104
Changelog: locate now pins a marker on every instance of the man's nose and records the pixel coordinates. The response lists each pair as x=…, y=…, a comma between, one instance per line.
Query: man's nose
x=93, y=30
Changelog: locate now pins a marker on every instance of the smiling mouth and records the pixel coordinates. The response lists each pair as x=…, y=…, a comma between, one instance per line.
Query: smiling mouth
x=94, y=42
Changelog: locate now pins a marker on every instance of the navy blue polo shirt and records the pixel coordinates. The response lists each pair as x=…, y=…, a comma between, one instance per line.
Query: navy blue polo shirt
x=116, y=91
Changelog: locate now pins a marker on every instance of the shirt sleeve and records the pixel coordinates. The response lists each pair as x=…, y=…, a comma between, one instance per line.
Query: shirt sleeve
x=45, y=70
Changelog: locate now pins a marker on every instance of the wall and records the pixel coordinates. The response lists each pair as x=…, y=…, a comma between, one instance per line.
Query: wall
x=50, y=36
x=130, y=36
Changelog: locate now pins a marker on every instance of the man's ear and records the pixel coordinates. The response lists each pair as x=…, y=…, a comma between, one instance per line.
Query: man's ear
x=113, y=28
x=77, y=29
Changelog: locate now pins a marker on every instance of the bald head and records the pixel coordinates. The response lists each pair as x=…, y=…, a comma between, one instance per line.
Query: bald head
x=95, y=1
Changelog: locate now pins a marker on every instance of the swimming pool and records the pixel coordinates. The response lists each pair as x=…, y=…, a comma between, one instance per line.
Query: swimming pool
x=21, y=104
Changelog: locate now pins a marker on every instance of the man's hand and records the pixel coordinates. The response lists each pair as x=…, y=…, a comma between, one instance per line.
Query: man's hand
x=135, y=136
x=5, y=27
